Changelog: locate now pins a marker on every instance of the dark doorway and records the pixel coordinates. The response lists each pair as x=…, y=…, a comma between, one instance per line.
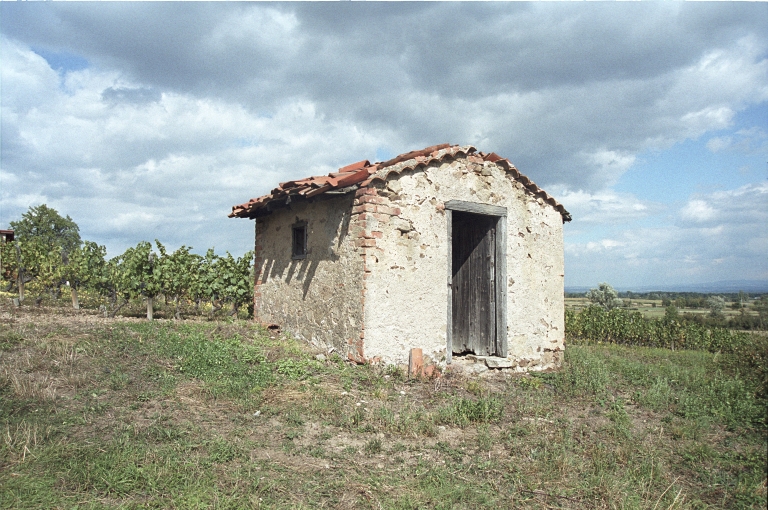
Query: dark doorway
x=473, y=283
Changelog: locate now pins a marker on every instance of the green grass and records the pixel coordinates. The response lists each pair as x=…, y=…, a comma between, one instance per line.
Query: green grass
x=203, y=414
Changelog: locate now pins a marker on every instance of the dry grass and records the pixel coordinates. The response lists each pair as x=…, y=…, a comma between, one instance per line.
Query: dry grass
x=112, y=413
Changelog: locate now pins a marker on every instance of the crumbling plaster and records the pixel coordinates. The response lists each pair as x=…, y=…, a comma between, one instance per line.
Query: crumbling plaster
x=317, y=298
x=374, y=283
x=407, y=291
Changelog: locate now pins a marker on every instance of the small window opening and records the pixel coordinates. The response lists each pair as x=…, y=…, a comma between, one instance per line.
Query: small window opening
x=299, y=244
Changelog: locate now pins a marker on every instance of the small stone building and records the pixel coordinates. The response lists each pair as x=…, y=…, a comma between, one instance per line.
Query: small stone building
x=446, y=249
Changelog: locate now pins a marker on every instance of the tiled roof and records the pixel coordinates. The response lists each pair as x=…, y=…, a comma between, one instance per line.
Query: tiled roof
x=363, y=173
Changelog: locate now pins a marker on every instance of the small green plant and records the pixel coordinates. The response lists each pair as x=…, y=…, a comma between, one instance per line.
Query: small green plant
x=395, y=372
x=465, y=411
x=9, y=339
x=373, y=447
x=529, y=383
x=293, y=368
x=621, y=420
x=474, y=386
x=294, y=417
x=118, y=381
x=484, y=439
x=220, y=450
x=584, y=373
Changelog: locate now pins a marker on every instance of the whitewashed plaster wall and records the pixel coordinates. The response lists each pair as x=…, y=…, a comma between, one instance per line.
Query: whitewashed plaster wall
x=407, y=291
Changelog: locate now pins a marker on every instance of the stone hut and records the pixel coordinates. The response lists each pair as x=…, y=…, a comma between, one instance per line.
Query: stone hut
x=445, y=249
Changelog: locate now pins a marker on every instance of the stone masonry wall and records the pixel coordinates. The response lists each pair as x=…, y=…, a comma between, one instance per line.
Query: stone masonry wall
x=317, y=298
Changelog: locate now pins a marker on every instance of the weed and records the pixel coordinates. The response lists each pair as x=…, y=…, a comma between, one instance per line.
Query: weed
x=584, y=373
x=220, y=450
x=294, y=417
x=373, y=447
x=474, y=386
x=118, y=381
x=484, y=438
x=465, y=411
x=293, y=369
x=529, y=383
x=9, y=339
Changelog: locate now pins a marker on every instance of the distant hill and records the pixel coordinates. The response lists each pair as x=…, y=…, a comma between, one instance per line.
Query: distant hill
x=725, y=286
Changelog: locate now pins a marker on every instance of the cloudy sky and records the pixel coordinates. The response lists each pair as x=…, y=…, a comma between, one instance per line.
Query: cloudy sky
x=649, y=122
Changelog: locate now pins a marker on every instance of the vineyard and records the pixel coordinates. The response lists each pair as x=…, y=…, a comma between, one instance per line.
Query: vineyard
x=748, y=352
x=187, y=282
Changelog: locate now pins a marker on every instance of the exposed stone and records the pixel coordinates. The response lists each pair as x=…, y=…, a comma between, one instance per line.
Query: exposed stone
x=402, y=225
x=475, y=368
x=496, y=362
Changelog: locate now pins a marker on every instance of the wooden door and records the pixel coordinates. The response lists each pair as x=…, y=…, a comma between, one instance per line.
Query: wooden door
x=473, y=277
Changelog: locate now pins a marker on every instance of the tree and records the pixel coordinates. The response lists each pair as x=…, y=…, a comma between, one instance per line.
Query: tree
x=604, y=295
x=224, y=280
x=670, y=313
x=116, y=284
x=716, y=305
x=46, y=225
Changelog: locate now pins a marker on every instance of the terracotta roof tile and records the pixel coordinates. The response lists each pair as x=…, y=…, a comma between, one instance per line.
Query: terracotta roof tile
x=363, y=173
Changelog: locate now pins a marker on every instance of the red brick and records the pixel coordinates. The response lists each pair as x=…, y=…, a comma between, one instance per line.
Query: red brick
x=355, y=358
x=415, y=363
x=365, y=191
x=371, y=199
x=365, y=243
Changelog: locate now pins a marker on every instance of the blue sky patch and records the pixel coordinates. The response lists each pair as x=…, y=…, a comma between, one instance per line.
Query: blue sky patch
x=62, y=61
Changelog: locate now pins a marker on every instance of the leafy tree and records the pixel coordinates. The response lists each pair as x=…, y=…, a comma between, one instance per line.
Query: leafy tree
x=46, y=225
x=605, y=296
x=716, y=305
x=224, y=280
x=116, y=284
x=670, y=313
x=205, y=286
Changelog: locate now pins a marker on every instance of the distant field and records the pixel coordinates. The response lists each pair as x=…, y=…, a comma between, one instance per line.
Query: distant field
x=651, y=308
x=100, y=413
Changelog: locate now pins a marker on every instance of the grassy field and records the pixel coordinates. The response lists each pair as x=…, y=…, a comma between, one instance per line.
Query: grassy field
x=96, y=413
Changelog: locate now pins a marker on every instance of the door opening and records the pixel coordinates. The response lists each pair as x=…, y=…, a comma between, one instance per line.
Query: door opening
x=473, y=283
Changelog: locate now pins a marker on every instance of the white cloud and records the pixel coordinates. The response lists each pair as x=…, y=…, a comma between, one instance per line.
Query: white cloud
x=719, y=143
x=721, y=236
x=698, y=211
x=215, y=104
x=744, y=205
x=606, y=207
